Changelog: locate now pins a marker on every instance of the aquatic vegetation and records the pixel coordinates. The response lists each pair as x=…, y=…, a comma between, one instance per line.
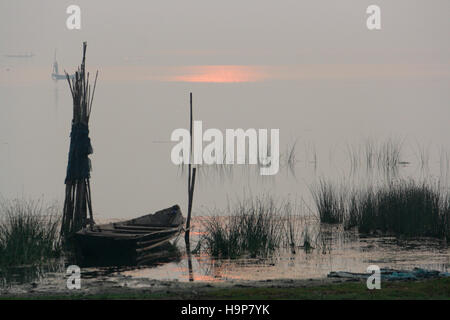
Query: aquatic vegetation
x=307, y=240
x=221, y=238
x=353, y=154
x=389, y=153
x=255, y=227
x=291, y=227
x=385, y=155
x=29, y=232
x=405, y=207
x=291, y=155
x=330, y=202
x=444, y=164
x=310, y=155
x=422, y=153
x=393, y=206
x=402, y=207
x=252, y=228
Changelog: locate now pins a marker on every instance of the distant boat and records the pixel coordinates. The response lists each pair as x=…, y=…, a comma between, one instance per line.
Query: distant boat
x=55, y=74
x=25, y=55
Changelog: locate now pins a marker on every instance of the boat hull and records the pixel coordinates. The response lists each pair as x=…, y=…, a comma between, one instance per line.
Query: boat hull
x=126, y=243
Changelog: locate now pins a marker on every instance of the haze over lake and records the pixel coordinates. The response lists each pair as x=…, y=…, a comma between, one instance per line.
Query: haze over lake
x=313, y=71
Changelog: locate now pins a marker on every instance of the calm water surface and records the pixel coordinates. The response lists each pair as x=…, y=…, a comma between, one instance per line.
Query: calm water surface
x=132, y=173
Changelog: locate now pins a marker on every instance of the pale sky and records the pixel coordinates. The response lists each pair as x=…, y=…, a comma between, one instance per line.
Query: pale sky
x=235, y=32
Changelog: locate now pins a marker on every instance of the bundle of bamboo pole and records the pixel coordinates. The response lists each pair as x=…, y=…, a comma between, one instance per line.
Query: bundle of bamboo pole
x=78, y=191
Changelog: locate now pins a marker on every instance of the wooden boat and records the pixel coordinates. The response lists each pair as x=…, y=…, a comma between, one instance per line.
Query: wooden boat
x=129, y=242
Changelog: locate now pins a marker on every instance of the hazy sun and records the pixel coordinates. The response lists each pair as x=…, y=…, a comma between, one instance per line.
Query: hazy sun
x=220, y=74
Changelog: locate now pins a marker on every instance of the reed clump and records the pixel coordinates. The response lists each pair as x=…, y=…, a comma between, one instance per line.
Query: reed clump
x=330, y=202
x=29, y=232
x=407, y=208
x=401, y=208
x=256, y=227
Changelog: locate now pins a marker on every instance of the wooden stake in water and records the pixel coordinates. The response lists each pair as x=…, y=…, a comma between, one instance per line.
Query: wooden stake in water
x=191, y=180
x=190, y=146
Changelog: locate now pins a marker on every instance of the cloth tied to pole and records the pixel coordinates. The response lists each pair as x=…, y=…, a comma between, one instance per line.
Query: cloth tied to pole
x=79, y=164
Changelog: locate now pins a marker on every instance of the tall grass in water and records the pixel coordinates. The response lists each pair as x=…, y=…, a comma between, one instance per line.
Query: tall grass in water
x=405, y=208
x=29, y=232
x=330, y=202
x=385, y=155
x=423, y=155
x=389, y=154
x=256, y=227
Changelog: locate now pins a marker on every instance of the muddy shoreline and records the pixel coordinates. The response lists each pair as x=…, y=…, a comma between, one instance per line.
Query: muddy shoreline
x=127, y=285
x=132, y=288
